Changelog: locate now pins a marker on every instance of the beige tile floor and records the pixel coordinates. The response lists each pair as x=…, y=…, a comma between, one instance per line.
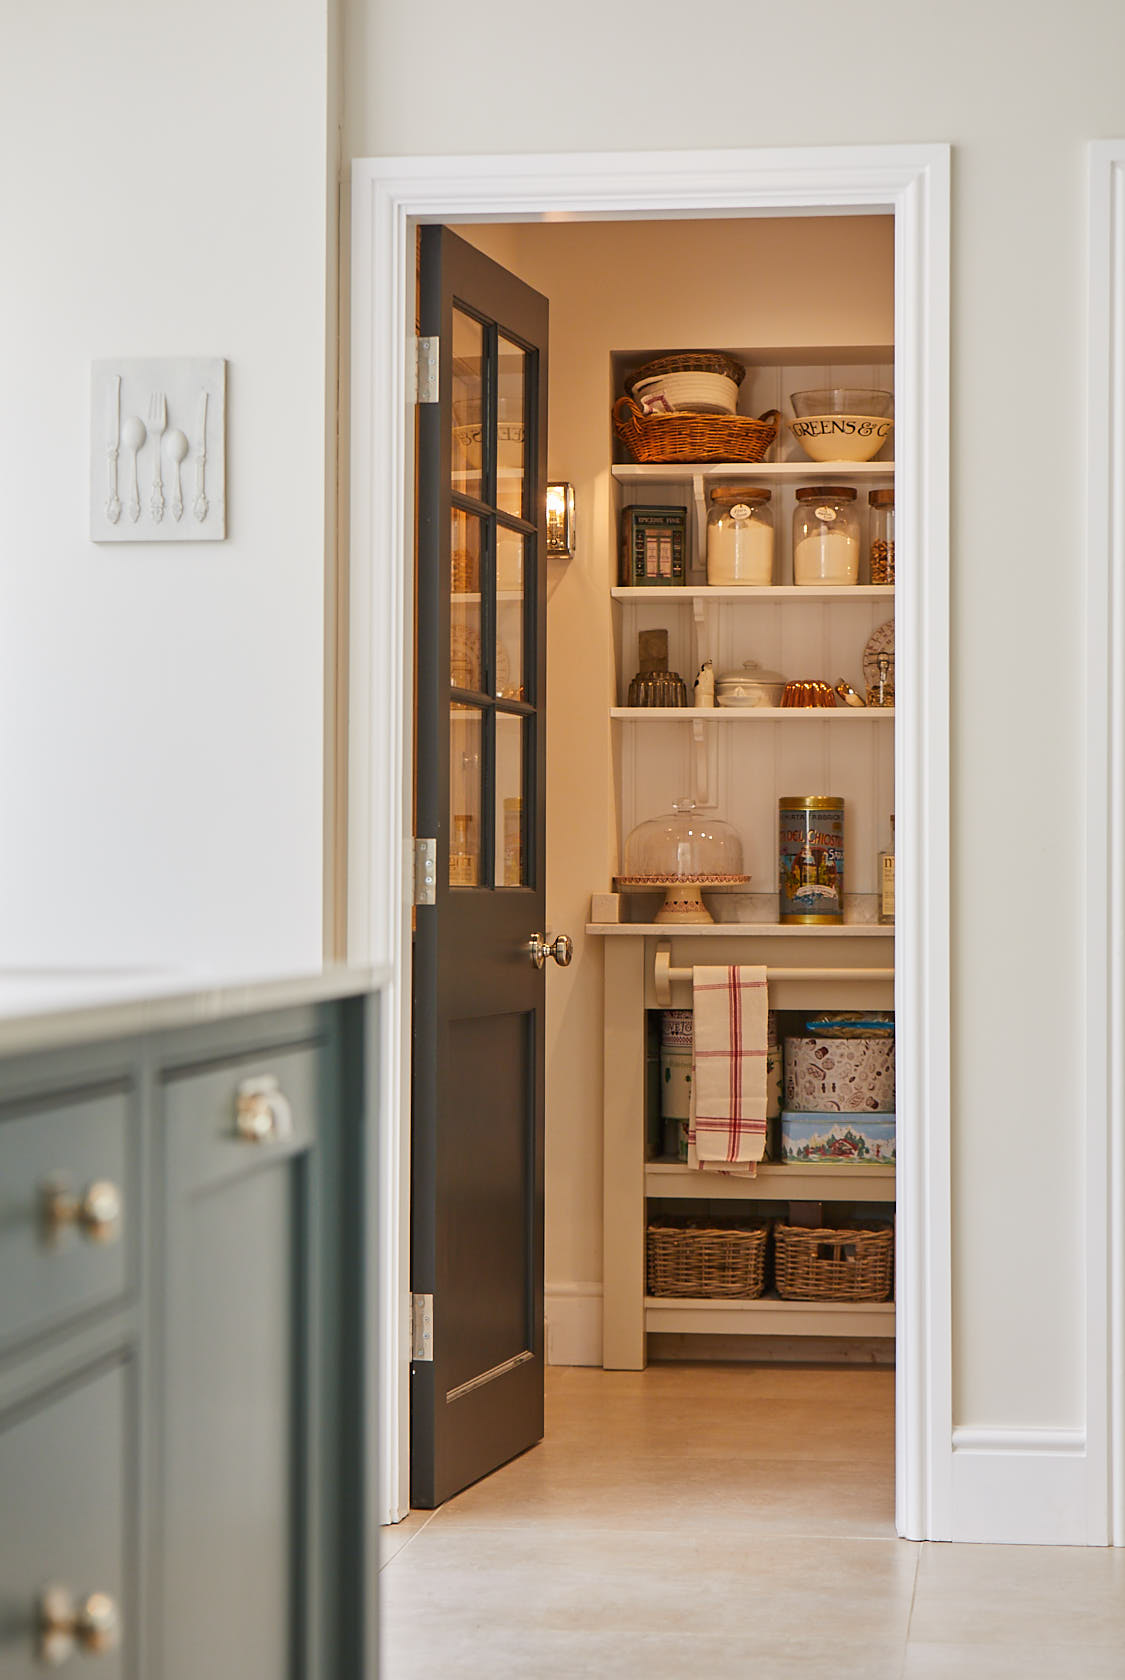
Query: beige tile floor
x=725, y=1521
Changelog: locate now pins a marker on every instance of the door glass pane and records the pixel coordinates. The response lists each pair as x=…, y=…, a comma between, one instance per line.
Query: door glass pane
x=468, y=405
x=465, y=738
x=509, y=614
x=464, y=602
x=510, y=849
x=510, y=422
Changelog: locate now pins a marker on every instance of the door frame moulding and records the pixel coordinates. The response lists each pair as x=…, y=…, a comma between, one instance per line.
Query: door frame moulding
x=1105, y=841
x=390, y=197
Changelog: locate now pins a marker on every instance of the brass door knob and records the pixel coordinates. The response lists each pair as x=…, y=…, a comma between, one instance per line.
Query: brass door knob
x=261, y=1113
x=96, y=1213
x=92, y=1626
x=562, y=949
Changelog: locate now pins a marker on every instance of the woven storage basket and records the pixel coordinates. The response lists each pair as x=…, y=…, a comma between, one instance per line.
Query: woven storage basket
x=707, y=1261
x=667, y=438
x=688, y=361
x=828, y=1265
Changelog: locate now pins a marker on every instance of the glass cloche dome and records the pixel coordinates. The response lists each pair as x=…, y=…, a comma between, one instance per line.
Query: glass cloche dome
x=683, y=850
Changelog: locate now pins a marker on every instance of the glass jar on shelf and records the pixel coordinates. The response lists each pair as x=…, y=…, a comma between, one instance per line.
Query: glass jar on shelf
x=740, y=536
x=825, y=537
x=882, y=535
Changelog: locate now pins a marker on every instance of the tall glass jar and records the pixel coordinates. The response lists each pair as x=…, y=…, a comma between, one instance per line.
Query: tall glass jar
x=826, y=536
x=739, y=536
x=882, y=535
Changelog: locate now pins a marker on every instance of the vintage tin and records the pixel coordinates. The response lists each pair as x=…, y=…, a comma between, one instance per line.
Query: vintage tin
x=654, y=546
x=810, y=859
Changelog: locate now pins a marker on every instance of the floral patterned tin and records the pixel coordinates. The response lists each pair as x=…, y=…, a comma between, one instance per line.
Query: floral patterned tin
x=810, y=860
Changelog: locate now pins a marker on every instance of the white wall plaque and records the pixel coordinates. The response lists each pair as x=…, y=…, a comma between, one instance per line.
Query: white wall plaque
x=158, y=450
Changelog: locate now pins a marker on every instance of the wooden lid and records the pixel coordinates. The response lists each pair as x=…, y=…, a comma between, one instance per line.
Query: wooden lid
x=740, y=493
x=826, y=493
x=881, y=498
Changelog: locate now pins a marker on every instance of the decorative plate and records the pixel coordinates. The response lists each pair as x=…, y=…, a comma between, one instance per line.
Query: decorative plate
x=882, y=641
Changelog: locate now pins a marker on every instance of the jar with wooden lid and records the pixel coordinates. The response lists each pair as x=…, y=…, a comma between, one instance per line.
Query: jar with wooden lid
x=882, y=535
x=739, y=536
x=826, y=536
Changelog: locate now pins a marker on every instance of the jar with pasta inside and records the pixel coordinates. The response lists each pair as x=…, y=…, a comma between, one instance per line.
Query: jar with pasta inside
x=825, y=537
x=882, y=535
x=739, y=536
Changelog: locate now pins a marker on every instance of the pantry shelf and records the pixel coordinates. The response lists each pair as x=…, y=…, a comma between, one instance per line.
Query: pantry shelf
x=775, y=1182
x=747, y=594
x=740, y=930
x=636, y=472
x=753, y=714
x=769, y=1316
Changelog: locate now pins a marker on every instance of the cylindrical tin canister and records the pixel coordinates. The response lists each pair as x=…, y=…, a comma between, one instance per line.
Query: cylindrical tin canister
x=811, y=859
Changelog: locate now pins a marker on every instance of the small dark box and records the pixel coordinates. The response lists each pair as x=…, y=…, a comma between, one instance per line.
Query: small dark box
x=654, y=546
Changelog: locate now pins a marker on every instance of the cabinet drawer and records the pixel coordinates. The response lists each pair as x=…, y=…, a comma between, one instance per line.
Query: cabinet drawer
x=220, y=1119
x=63, y=1481
x=62, y=1252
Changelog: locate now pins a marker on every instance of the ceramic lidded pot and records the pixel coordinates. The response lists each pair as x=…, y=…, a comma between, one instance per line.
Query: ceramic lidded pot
x=753, y=685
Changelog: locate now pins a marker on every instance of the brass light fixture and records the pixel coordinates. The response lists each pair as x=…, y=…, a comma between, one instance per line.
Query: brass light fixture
x=560, y=521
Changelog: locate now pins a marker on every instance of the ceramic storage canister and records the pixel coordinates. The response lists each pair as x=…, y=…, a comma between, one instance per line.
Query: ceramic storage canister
x=753, y=685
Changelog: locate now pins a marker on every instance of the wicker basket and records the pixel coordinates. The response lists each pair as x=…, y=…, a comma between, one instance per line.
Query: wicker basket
x=827, y=1265
x=688, y=361
x=667, y=438
x=707, y=1261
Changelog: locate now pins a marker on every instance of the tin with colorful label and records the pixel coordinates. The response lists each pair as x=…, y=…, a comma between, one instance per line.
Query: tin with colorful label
x=811, y=859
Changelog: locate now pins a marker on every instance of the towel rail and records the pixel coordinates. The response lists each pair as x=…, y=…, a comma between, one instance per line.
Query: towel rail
x=664, y=975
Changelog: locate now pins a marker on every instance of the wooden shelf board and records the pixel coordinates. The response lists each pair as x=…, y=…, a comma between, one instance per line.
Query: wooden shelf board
x=740, y=930
x=775, y=1182
x=682, y=472
x=752, y=714
x=749, y=593
x=770, y=1316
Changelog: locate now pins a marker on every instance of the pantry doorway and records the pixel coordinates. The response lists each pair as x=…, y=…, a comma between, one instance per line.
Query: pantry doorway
x=391, y=198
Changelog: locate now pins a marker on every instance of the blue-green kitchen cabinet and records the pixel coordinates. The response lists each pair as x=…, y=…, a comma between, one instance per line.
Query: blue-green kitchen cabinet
x=184, y=1425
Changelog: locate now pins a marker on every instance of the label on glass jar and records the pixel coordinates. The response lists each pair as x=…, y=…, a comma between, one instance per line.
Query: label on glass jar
x=740, y=511
x=827, y=514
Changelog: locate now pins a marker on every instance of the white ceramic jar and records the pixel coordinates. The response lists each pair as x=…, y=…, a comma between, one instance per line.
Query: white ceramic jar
x=739, y=536
x=825, y=537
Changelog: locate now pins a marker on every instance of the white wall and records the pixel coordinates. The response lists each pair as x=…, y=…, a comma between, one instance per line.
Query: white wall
x=1018, y=89
x=163, y=192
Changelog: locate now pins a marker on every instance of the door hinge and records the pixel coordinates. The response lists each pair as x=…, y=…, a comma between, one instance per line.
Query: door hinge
x=425, y=871
x=426, y=370
x=422, y=1327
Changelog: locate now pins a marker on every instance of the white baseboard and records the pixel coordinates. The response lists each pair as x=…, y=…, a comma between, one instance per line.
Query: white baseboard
x=1020, y=1487
x=574, y=1323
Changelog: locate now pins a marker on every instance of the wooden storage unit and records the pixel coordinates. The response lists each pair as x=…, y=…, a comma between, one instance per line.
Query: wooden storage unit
x=739, y=762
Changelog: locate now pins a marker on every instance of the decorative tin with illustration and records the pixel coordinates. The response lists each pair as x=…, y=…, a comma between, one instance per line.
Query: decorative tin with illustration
x=811, y=859
x=654, y=546
x=840, y=1075
x=858, y=1140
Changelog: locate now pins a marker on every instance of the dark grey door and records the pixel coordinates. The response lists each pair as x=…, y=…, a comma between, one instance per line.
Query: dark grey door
x=477, y=1226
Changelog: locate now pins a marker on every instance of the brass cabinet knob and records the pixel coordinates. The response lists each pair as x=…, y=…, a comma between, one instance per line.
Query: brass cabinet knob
x=96, y=1213
x=261, y=1113
x=92, y=1626
x=562, y=950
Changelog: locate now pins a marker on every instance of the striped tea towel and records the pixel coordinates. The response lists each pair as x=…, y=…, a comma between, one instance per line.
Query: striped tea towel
x=727, y=1131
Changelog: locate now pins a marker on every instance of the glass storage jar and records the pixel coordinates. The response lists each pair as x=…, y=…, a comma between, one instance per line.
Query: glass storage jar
x=882, y=535
x=826, y=536
x=739, y=536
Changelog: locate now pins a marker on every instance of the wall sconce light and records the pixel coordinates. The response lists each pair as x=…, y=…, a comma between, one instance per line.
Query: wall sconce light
x=560, y=521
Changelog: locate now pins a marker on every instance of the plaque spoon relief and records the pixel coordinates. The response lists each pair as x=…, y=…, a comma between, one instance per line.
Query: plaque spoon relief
x=133, y=435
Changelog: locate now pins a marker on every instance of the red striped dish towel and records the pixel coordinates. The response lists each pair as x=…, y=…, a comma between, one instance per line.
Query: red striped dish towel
x=727, y=1131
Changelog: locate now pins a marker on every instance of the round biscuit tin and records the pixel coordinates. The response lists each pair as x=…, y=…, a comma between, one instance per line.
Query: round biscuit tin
x=810, y=859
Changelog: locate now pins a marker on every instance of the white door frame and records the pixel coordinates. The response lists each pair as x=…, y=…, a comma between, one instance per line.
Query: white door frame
x=1105, y=862
x=390, y=196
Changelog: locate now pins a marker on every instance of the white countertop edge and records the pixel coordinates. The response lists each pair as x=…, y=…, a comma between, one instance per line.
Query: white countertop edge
x=42, y=1009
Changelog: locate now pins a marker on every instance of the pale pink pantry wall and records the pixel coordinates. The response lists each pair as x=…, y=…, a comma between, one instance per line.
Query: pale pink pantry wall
x=619, y=286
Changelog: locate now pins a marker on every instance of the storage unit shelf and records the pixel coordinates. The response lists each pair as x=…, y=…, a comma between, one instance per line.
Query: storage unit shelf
x=752, y=714
x=639, y=593
x=813, y=472
x=775, y=1182
x=769, y=1316
x=740, y=930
